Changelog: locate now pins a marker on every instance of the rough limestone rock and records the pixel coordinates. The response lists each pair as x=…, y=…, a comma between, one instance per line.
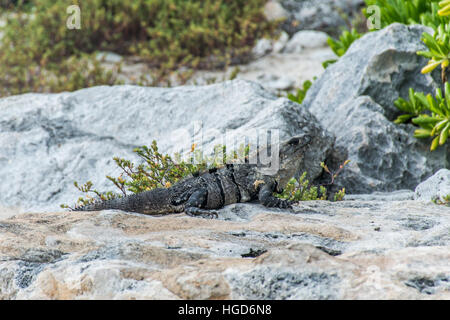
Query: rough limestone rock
x=275, y=82
x=274, y=11
x=354, y=99
x=288, y=67
x=306, y=39
x=262, y=48
x=265, y=46
x=323, y=15
x=344, y=250
x=48, y=141
x=281, y=42
x=436, y=187
x=109, y=57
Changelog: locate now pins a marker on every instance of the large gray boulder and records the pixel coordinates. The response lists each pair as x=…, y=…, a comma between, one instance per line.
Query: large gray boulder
x=47, y=141
x=354, y=99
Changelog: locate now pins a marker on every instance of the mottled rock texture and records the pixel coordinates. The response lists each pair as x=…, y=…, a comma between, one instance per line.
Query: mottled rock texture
x=354, y=99
x=346, y=250
x=435, y=188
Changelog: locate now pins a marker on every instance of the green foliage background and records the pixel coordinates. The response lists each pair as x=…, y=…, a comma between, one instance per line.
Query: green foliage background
x=39, y=53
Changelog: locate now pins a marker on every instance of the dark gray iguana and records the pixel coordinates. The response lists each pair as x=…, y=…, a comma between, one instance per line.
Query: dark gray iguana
x=199, y=195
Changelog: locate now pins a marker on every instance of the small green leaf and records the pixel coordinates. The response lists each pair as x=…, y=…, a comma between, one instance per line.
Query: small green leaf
x=422, y=133
x=444, y=134
x=434, y=144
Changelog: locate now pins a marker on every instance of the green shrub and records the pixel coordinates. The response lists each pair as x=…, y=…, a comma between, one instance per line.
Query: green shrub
x=435, y=125
x=406, y=11
x=341, y=46
x=412, y=107
x=431, y=114
x=438, y=50
x=444, y=8
x=157, y=171
x=301, y=190
x=166, y=34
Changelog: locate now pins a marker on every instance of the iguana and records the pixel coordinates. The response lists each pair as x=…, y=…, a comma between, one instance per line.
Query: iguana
x=200, y=194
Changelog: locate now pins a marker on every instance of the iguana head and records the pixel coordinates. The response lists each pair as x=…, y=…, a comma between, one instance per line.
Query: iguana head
x=290, y=155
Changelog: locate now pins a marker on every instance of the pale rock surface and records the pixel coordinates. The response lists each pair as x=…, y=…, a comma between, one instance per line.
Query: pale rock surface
x=281, y=42
x=263, y=47
x=109, y=57
x=297, y=67
x=306, y=39
x=274, y=11
x=437, y=187
x=345, y=250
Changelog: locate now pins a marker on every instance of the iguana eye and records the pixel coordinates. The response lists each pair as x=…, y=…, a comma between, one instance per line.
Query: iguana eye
x=294, y=141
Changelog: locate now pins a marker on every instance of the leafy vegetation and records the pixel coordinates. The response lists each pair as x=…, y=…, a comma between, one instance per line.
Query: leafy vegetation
x=341, y=45
x=444, y=202
x=430, y=113
x=444, y=8
x=300, y=95
x=438, y=50
x=435, y=125
x=406, y=11
x=412, y=107
x=39, y=53
x=301, y=190
x=157, y=171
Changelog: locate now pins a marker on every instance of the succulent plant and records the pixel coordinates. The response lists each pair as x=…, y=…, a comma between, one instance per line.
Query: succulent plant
x=445, y=8
x=435, y=125
x=438, y=50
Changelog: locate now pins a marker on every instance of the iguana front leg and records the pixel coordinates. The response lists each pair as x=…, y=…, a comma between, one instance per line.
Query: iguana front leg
x=194, y=203
x=267, y=199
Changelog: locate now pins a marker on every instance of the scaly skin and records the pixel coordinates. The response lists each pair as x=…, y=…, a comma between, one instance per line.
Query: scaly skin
x=201, y=194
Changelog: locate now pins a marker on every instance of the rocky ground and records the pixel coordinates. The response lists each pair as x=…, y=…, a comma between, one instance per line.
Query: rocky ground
x=365, y=249
x=378, y=246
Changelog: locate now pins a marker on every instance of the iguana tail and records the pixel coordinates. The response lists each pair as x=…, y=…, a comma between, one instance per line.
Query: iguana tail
x=156, y=201
x=116, y=203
